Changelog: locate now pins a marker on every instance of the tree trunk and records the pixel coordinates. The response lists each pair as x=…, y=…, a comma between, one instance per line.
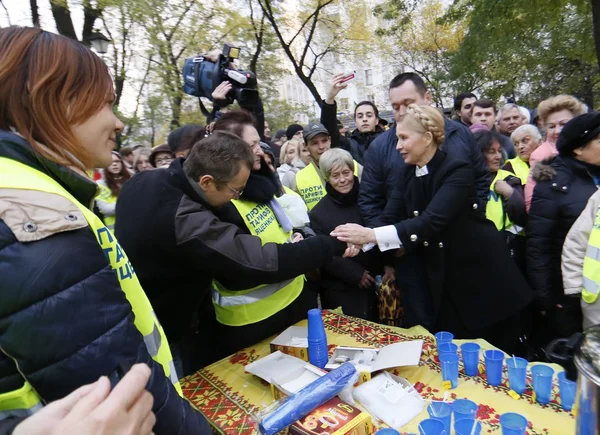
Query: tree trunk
x=35, y=14
x=62, y=18
x=176, y=110
x=90, y=14
x=119, y=82
x=596, y=23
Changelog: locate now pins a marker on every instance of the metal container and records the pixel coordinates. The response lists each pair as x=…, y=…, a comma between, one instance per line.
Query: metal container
x=580, y=356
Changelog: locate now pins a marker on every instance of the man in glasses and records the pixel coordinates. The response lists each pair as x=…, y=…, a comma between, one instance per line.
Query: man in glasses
x=177, y=245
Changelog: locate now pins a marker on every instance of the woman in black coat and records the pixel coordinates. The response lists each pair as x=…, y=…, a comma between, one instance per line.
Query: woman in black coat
x=345, y=282
x=476, y=290
x=563, y=187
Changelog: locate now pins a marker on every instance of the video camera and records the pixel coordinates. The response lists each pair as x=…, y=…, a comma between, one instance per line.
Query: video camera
x=201, y=77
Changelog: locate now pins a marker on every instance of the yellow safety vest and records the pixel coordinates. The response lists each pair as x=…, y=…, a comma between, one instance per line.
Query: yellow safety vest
x=310, y=184
x=494, y=210
x=15, y=175
x=239, y=308
x=106, y=195
x=520, y=168
x=591, y=264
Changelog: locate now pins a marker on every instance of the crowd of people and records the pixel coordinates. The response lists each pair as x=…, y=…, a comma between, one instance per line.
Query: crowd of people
x=177, y=256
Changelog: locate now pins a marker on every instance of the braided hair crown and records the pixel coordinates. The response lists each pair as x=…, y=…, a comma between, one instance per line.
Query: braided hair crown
x=430, y=119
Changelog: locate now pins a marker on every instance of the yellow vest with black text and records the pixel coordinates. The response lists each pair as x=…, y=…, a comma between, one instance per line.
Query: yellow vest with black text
x=520, y=168
x=591, y=264
x=15, y=175
x=494, y=210
x=310, y=185
x=244, y=307
x=107, y=196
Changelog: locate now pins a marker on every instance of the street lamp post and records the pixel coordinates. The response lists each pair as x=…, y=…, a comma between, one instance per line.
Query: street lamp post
x=99, y=42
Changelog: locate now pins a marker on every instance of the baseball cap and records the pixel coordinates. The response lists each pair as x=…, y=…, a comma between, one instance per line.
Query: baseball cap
x=314, y=129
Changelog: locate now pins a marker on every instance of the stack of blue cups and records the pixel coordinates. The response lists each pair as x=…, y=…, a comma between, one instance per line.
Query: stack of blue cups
x=317, y=339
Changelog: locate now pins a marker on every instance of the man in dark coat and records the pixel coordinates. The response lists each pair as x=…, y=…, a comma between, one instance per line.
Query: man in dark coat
x=166, y=223
x=366, y=117
x=382, y=172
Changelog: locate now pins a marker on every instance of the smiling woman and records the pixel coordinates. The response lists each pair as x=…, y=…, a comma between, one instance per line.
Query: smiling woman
x=56, y=122
x=474, y=289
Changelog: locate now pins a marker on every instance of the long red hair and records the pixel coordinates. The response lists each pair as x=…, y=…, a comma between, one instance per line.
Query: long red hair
x=48, y=83
x=111, y=179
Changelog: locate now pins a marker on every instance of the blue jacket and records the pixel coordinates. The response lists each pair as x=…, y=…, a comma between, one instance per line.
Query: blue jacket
x=64, y=320
x=384, y=165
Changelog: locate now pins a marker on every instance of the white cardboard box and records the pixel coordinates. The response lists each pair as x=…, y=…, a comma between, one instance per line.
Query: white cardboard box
x=407, y=353
x=285, y=373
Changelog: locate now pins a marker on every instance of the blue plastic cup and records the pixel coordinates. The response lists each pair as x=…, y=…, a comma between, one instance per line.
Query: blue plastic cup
x=464, y=408
x=441, y=411
x=387, y=431
x=317, y=339
x=541, y=377
x=517, y=373
x=449, y=363
x=431, y=426
x=467, y=426
x=567, y=390
x=513, y=424
x=470, y=356
x=443, y=337
x=447, y=347
x=493, y=366
x=316, y=330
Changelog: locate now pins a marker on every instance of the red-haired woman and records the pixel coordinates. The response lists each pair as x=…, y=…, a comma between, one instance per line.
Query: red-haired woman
x=110, y=186
x=72, y=307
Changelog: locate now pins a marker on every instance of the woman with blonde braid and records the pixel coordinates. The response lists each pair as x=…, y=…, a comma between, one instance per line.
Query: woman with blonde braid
x=475, y=290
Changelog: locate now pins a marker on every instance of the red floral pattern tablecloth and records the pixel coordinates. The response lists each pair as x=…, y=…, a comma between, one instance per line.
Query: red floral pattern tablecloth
x=228, y=396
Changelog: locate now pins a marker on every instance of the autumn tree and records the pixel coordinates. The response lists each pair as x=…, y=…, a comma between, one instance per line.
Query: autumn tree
x=527, y=50
x=312, y=33
x=423, y=44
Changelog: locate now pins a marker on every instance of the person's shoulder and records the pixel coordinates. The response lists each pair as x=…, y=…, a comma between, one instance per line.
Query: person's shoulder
x=383, y=141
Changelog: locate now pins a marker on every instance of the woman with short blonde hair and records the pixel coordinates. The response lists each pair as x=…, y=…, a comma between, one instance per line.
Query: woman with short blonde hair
x=474, y=287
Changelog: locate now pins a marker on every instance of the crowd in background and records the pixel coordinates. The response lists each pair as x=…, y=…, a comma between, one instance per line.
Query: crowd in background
x=184, y=254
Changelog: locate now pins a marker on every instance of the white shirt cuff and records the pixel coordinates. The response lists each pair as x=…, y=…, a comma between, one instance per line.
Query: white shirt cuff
x=387, y=238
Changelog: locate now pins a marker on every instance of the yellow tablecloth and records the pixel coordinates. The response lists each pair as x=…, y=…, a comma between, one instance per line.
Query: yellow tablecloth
x=228, y=396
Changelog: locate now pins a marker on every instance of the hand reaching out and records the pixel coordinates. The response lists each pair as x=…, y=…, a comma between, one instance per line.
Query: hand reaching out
x=355, y=234
x=335, y=87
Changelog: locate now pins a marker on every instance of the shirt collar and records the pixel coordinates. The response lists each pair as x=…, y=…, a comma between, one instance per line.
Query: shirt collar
x=420, y=172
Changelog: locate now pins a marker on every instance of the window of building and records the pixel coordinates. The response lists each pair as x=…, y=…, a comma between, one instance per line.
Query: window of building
x=344, y=104
x=369, y=77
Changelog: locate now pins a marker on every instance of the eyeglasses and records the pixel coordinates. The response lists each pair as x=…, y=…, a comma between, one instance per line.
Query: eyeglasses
x=237, y=193
x=164, y=160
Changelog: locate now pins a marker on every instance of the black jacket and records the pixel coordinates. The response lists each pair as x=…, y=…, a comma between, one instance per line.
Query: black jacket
x=64, y=320
x=563, y=187
x=384, y=165
x=466, y=261
x=341, y=277
x=178, y=246
x=357, y=144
